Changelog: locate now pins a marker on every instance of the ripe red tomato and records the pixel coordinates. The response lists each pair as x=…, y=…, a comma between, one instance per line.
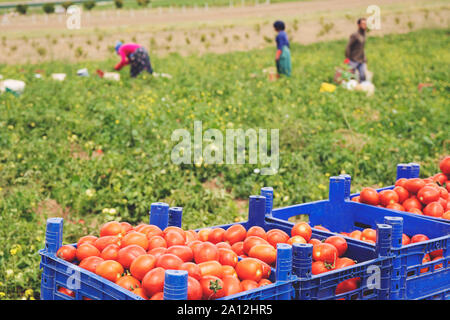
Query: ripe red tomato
x=257, y=231
x=140, y=292
x=180, y=231
x=128, y=282
x=111, y=252
x=90, y=263
x=302, y=229
x=344, y=262
x=428, y=194
x=369, y=196
x=238, y=247
x=401, y=182
x=446, y=215
x=414, y=185
x=87, y=250
x=419, y=238
x=440, y=178
x=248, y=285
x=223, y=245
x=153, y=281
x=149, y=230
x=416, y=211
x=203, y=234
x=263, y=252
x=444, y=165
x=356, y=199
x=388, y=197
x=249, y=269
x=319, y=267
x=192, y=269
x=395, y=206
x=158, y=296
x=67, y=292
x=426, y=258
x=126, y=227
x=183, y=252
x=195, y=291
x=412, y=202
x=405, y=240
x=216, y=235
x=141, y=265
x=102, y=242
x=174, y=238
x=134, y=237
x=109, y=269
x=264, y=282
x=126, y=255
x=210, y=268
x=438, y=266
x=276, y=236
x=321, y=228
x=369, y=234
x=112, y=228
x=234, y=234
x=296, y=239
x=212, y=287
x=67, y=253
x=355, y=234
x=156, y=242
x=191, y=235
x=231, y=285
x=402, y=193
x=339, y=242
x=228, y=257
x=156, y=252
x=228, y=271
x=169, y=261
x=86, y=239
x=436, y=253
x=346, y=286
x=434, y=209
x=252, y=241
x=206, y=251
x=443, y=203
x=325, y=252
x=314, y=241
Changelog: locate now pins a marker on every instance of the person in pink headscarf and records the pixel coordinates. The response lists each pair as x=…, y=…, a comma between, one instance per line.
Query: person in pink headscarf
x=136, y=56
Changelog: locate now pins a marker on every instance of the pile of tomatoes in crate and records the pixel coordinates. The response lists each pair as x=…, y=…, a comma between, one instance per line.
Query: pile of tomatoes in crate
x=370, y=235
x=219, y=262
x=428, y=196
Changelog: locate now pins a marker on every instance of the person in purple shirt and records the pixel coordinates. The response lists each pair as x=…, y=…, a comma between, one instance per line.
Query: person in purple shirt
x=134, y=55
x=283, y=55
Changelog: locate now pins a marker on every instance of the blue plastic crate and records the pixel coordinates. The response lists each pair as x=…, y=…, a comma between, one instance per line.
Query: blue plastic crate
x=323, y=286
x=407, y=171
x=287, y=285
x=339, y=214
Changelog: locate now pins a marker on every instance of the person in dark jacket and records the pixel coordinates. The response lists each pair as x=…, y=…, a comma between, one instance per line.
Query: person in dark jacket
x=283, y=55
x=354, y=51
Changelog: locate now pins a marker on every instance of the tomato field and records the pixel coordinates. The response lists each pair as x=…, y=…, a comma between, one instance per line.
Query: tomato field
x=93, y=151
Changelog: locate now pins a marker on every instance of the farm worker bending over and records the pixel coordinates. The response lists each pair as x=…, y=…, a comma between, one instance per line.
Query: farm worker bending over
x=355, y=50
x=283, y=55
x=135, y=55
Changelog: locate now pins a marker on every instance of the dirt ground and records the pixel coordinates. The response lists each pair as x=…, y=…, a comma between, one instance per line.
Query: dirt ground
x=35, y=38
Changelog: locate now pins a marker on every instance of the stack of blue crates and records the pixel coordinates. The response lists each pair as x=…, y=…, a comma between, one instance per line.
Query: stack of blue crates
x=292, y=278
x=410, y=278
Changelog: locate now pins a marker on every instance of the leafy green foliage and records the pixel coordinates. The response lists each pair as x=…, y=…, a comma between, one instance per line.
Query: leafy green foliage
x=51, y=137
